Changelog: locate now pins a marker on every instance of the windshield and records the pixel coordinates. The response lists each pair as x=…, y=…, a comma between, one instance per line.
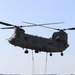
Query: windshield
x=15, y=36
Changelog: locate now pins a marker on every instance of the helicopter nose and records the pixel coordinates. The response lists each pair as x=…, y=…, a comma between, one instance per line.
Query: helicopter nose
x=11, y=41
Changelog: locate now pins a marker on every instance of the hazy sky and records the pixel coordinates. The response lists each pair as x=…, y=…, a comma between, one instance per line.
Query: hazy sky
x=12, y=59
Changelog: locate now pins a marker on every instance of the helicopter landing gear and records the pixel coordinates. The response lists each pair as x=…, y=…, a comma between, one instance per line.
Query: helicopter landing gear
x=36, y=51
x=62, y=54
x=26, y=51
x=50, y=54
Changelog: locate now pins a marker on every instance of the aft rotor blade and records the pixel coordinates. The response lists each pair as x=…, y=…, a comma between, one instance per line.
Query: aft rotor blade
x=50, y=28
x=7, y=24
x=7, y=28
x=43, y=24
x=27, y=22
x=39, y=25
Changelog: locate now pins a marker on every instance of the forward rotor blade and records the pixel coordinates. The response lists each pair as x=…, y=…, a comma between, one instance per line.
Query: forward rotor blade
x=41, y=26
x=7, y=24
x=44, y=24
x=7, y=28
x=70, y=28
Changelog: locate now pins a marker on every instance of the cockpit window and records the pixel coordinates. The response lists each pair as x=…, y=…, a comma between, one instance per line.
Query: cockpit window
x=15, y=36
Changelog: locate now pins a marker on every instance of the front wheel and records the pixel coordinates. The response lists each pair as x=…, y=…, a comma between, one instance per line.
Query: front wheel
x=36, y=51
x=26, y=51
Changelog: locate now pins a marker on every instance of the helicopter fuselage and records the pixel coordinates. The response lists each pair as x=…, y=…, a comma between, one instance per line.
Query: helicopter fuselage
x=36, y=43
x=57, y=43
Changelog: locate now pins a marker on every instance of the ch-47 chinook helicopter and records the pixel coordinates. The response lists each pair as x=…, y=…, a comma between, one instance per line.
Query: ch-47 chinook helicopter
x=57, y=43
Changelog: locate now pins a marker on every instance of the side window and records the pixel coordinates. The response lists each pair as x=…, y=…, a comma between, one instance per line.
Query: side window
x=49, y=43
x=26, y=38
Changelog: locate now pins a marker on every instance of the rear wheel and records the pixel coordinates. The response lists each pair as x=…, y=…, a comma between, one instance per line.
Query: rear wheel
x=62, y=54
x=50, y=54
